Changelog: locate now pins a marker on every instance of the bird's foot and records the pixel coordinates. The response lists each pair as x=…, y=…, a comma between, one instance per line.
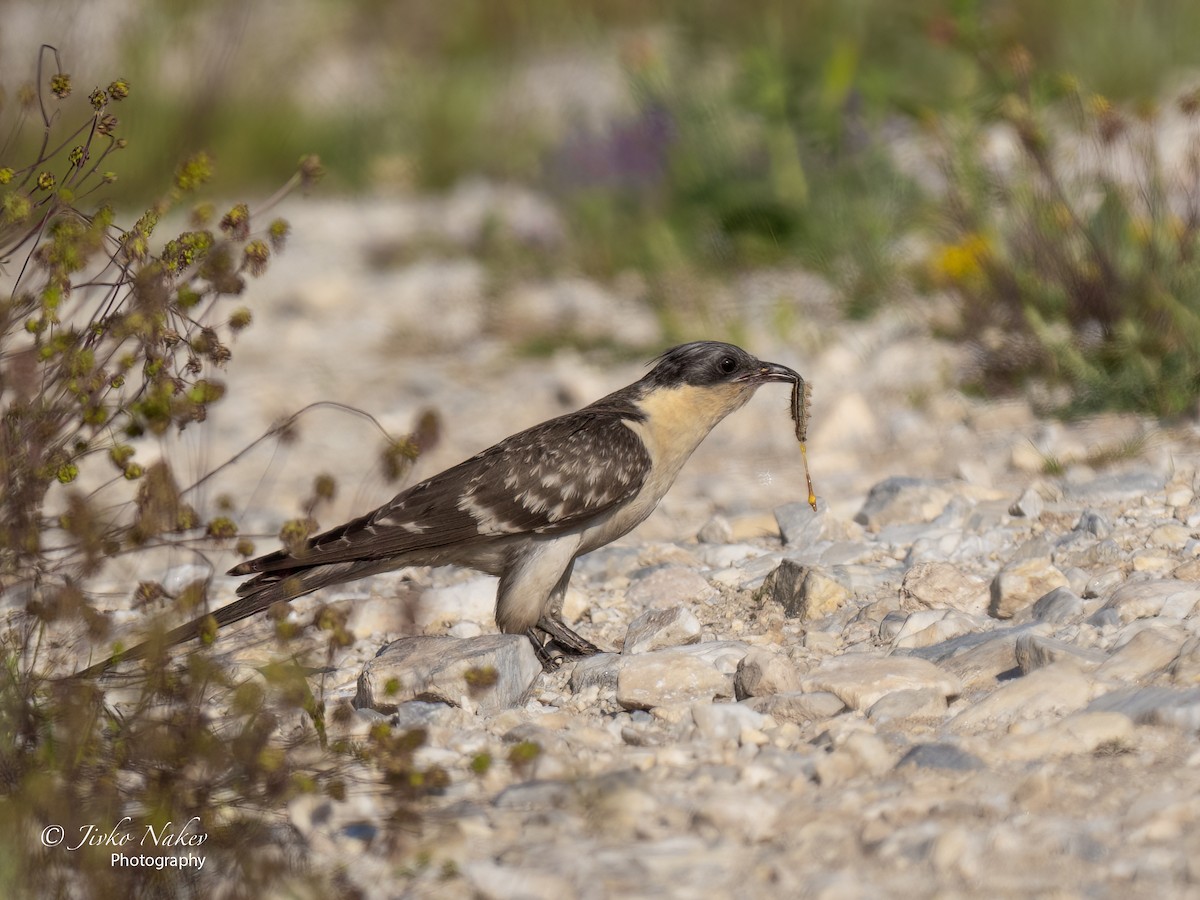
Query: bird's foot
x=549, y=654
x=566, y=638
x=561, y=643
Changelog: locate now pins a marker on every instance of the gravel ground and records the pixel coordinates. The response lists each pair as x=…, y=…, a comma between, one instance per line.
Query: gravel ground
x=961, y=677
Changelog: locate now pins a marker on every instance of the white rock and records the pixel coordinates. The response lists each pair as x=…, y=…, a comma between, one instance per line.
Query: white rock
x=862, y=679
x=939, y=585
x=761, y=673
x=1021, y=583
x=669, y=586
x=805, y=592
x=1149, y=651
x=473, y=600
x=489, y=672
x=725, y=721
x=658, y=628
x=1143, y=599
x=1052, y=690
x=1030, y=504
x=665, y=677
x=1082, y=732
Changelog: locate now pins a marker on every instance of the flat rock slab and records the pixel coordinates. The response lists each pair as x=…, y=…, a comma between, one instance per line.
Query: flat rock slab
x=1055, y=689
x=1154, y=706
x=904, y=499
x=495, y=671
x=859, y=680
x=667, y=677
x=1145, y=599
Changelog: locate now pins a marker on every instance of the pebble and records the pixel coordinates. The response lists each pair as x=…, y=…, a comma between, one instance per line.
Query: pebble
x=1033, y=651
x=1081, y=732
x=716, y=530
x=979, y=659
x=805, y=593
x=725, y=721
x=933, y=626
x=668, y=586
x=1146, y=599
x=939, y=585
x=1148, y=652
x=1029, y=505
x=1093, y=523
x=1185, y=668
x=658, y=628
x=800, y=525
x=921, y=703
x=667, y=677
x=762, y=672
x=860, y=680
x=1021, y=583
x=472, y=600
x=903, y=499
x=1057, y=688
x=800, y=707
x=1058, y=606
x=940, y=756
x=1154, y=706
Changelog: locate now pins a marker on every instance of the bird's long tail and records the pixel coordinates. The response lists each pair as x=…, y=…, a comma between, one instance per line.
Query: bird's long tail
x=257, y=595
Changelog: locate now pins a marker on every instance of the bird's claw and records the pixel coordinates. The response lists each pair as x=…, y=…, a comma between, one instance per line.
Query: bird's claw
x=561, y=643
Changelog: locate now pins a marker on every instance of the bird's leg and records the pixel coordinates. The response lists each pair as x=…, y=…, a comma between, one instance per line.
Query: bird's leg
x=551, y=624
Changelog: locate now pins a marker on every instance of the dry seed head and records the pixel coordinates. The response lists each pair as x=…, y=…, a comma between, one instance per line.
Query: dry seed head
x=311, y=170
x=237, y=221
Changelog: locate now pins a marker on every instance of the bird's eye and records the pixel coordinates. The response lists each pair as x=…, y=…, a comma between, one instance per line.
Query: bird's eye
x=727, y=365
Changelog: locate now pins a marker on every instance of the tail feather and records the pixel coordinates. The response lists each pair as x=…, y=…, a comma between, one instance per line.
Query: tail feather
x=255, y=596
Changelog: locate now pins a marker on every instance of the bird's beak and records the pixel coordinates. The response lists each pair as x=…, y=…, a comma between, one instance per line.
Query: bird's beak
x=769, y=371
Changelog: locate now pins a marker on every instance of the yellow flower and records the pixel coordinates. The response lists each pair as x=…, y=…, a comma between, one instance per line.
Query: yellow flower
x=963, y=262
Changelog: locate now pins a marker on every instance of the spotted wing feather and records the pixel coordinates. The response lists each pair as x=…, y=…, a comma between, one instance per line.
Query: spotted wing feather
x=546, y=480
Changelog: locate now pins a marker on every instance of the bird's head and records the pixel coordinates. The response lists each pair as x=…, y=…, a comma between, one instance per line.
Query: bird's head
x=713, y=364
x=694, y=386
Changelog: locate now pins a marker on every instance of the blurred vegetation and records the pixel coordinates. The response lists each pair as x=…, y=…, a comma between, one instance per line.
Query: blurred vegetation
x=1077, y=262
x=110, y=337
x=688, y=140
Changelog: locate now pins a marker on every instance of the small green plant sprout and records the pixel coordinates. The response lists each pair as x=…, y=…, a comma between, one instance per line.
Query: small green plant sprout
x=522, y=755
x=481, y=678
x=481, y=763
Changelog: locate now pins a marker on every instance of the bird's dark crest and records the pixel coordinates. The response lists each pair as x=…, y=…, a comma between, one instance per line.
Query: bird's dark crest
x=698, y=363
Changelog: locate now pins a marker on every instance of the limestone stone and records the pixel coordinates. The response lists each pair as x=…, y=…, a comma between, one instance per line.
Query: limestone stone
x=489, y=672
x=861, y=680
x=666, y=677
x=1021, y=583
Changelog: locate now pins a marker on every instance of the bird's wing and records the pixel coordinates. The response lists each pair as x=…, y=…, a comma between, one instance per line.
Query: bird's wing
x=546, y=480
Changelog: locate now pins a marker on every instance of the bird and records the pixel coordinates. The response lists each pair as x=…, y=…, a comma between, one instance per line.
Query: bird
x=525, y=509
